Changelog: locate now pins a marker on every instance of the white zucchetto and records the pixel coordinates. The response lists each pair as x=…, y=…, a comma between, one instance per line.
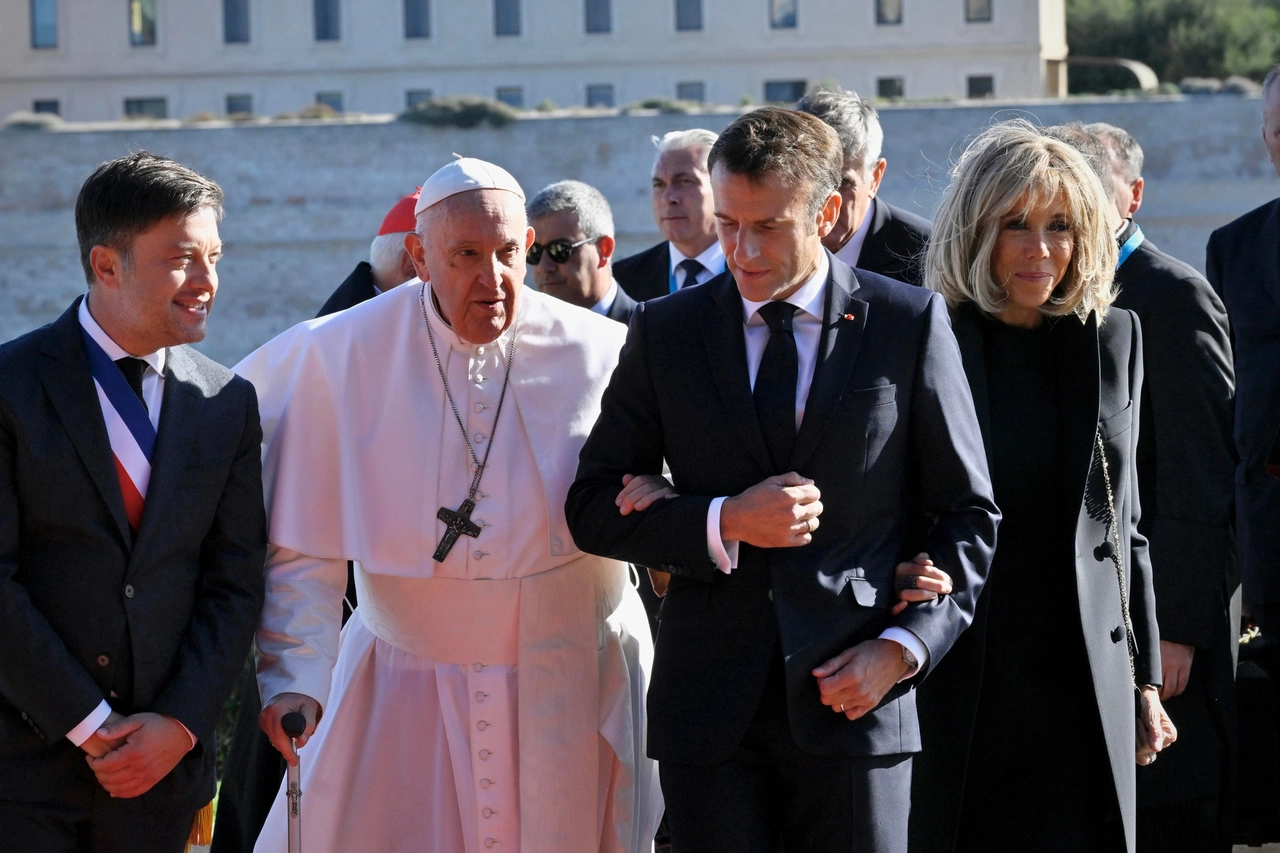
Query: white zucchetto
x=463, y=175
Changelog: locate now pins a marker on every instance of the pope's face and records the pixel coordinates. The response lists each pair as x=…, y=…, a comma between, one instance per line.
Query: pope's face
x=474, y=258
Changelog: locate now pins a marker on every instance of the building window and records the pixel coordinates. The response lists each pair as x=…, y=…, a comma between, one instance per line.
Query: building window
x=688, y=15
x=888, y=11
x=413, y=97
x=889, y=87
x=782, y=14
x=512, y=96
x=977, y=11
x=982, y=86
x=417, y=19
x=142, y=22
x=599, y=16
x=50, y=106
x=239, y=105
x=506, y=17
x=693, y=91
x=146, y=108
x=600, y=95
x=332, y=100
x=783, y=91
x=235, y=21
x=44, y=23
x=328, y=19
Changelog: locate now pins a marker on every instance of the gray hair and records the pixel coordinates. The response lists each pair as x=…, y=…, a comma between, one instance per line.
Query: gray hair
x=587, y=203
x=854, y=120
x=385, y=253
x=1271, y=77
x=1095, y=153
x=1126, y=147
x=678, y=139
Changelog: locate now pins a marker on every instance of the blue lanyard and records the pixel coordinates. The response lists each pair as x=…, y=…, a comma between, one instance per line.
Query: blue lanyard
x=1130, y=246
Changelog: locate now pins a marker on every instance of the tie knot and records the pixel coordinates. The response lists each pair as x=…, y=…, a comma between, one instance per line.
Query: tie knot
x=778, y=315
x=692, y=269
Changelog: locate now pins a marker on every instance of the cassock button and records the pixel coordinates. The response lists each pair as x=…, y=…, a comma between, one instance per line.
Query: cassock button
x=484, y=754
x=103, y=660
x=480, y=555
x=480, y=407
x=477, y=666
x=482, y=725
x=489, y=842
x=128, y=590
x=1117, y=634
x=480, y=350
x=487, y=812
x=485, y=783
x=479, y=437
x=481, y=695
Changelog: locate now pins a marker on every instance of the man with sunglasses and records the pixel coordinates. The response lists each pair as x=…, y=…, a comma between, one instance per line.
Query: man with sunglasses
x=572, y=248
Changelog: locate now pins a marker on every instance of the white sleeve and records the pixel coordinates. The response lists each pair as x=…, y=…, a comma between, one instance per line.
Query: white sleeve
x=724, y=554
x=297, y=640
x=90, y=724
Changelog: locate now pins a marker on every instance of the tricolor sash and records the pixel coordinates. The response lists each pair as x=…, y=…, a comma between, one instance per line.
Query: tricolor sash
x=133, y=438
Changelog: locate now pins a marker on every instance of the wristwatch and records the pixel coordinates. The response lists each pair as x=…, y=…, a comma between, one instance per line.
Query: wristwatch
x=910, y=660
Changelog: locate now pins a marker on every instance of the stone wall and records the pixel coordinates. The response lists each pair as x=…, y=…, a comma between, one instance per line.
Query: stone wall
x=304, y=200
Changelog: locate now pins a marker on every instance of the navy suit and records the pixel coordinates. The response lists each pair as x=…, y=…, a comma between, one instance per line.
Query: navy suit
x=895, y=243
x=889, y=415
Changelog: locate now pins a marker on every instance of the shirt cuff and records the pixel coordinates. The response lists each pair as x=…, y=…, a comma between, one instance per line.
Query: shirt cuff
x=723, y=554
x=911, y=643
x=90, y=724
x=187, y=730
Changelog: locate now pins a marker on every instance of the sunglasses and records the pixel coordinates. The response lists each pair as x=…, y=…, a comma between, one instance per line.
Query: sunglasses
x=559, y=251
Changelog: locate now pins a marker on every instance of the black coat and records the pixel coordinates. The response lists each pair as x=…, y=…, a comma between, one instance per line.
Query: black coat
x=1186, y=466
x=1100, y=379
x=623, y=307
x=1243, y=265
x=895, y=244
x=888, y=405
x=646, y=275
x=163, y=617
x=355, y=289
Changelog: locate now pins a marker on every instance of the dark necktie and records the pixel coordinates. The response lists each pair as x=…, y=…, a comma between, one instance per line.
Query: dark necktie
x=775, y=389
x=691, y=270
x=133, y=368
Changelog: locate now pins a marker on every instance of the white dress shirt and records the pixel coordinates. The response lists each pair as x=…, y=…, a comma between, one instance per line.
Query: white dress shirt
x=153, y=395
x=852, y=249
x=605, y=305
x=809, y=298
x=712, y=260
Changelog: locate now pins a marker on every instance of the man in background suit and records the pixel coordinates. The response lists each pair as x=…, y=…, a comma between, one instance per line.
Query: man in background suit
x=132, y=531
x=869, y=234
x=572, y=249
x=388, y=265
x=254, y=768
x=682, y=208
x=1186, y=463
x=781, y=705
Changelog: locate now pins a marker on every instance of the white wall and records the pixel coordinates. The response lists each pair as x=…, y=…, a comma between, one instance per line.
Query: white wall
x=304, y=201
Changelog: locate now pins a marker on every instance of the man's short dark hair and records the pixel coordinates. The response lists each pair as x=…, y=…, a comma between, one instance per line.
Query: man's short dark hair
x=124, y=197
x=797, y=147
x=1128, y=149
x=1075, y=134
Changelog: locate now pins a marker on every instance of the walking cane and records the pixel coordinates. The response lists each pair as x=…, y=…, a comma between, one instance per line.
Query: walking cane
x=294, y=724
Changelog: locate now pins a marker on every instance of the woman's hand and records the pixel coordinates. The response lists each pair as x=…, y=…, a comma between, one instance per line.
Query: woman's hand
x=919, y=580
x=641, y=492
x=1155, y=730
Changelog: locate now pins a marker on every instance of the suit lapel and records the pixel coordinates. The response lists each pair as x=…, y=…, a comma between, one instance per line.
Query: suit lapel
x=966, y=323
x=1079, y=382
x=727, y=353
x=875, y=255
x=837, y=351
x=179, y=420
x=69, y=384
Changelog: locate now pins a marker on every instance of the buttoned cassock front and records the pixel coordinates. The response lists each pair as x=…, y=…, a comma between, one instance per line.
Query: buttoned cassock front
x=491, y=701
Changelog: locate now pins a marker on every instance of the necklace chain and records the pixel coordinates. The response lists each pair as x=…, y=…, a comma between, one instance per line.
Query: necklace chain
x=511, y=351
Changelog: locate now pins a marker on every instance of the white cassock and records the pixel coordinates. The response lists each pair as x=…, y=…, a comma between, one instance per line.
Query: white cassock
x=494, y=701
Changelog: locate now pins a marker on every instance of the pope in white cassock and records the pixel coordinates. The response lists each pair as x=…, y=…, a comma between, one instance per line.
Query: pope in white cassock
x=488, y=692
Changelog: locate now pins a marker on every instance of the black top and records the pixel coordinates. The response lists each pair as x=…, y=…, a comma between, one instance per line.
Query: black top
x=1037, y=700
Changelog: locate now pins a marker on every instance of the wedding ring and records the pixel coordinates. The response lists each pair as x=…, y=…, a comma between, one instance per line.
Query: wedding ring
x=1151, y=759
x=841, y=707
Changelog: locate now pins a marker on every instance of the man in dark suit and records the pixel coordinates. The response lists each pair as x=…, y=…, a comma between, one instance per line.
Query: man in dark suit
x=869, y=234
x=682, y=209
x=572, y=249
x=1243, y=266
x=781, y=703
x=1186, y=464
x=388, y=265
x=132, y=531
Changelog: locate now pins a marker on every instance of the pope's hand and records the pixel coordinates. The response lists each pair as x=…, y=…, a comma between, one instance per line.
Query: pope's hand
x=780, y=512
x=919, y=580
x=281, y=704
x=641, y=492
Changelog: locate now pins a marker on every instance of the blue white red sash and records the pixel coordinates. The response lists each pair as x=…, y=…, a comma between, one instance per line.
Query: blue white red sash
x=133, y=438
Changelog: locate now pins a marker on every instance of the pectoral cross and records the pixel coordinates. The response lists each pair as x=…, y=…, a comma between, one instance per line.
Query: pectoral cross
x=457, y=523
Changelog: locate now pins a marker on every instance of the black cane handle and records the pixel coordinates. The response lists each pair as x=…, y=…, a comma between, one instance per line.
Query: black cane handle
x=294, y=724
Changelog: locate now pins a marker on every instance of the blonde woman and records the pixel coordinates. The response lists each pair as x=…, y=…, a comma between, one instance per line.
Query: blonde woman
x=1029, y=723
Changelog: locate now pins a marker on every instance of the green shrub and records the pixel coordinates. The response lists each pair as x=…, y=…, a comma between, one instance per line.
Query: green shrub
x=460, y=111
x=23, y=120
x=664, y=105
x=321, y=111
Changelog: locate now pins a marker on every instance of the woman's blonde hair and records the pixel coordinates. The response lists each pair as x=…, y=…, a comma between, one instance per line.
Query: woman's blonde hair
x=1009, y=168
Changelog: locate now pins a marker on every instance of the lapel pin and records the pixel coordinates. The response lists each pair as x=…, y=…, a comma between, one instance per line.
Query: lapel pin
x=848, y=316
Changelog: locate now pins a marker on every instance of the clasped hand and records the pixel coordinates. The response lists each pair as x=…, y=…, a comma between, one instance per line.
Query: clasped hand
x=129, y=755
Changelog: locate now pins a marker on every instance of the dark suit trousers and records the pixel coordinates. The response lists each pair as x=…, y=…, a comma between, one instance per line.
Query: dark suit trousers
x=770, y=790
x=85, y=819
